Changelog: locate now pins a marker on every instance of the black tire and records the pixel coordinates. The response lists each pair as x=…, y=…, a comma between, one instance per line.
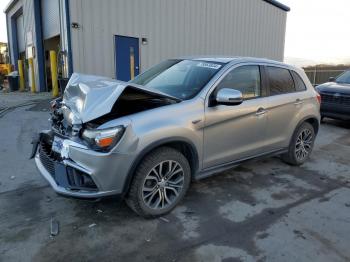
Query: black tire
x=135, y=197
x=291, y=157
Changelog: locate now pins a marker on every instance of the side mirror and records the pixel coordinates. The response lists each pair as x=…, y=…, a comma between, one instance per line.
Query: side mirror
x=229, y=97
x=331, y=79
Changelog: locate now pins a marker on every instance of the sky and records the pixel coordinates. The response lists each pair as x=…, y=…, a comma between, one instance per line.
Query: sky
x=318, y=31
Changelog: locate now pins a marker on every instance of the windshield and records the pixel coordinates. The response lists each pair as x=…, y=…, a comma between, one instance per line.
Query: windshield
x=344, y=78
x=179, y=78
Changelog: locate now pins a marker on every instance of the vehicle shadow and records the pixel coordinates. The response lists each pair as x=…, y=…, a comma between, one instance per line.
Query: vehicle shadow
x=337, y=123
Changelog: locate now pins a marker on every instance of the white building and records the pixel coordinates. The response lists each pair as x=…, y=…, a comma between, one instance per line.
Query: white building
x=103, y=37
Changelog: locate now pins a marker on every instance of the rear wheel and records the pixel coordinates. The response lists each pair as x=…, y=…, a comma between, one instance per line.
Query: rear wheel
x=160, y=183
x=301, y=145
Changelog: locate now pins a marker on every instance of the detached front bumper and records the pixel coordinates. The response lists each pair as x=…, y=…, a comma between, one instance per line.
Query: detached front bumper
x=81, y=173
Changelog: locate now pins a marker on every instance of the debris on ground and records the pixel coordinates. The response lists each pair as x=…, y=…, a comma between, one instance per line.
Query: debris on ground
x=12, y=177
x=299, y=234
x=48, y=199
x=189, y=212
x=164, y=219
x=92, y=225
x=99, y=211
x=148, y=239
x=54, y=227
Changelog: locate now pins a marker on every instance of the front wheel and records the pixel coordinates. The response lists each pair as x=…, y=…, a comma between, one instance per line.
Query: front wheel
x=160, y=183
x=301, y=145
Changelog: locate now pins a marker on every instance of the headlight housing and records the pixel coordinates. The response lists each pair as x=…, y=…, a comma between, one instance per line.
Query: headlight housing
x=103, y=139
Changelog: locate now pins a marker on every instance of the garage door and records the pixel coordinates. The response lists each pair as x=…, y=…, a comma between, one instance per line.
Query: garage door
x=50, y=13
x=20, y=34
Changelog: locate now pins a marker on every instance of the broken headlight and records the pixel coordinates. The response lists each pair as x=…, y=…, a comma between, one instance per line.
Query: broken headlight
x=103, y=138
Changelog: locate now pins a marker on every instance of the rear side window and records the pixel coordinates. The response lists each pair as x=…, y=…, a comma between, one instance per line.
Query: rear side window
x=281, y=81
x=299, y=83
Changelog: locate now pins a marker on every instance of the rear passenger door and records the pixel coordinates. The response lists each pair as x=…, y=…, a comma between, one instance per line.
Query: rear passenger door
x=283, y=104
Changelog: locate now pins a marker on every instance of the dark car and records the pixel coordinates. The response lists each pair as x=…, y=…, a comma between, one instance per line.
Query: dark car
x=335, y=96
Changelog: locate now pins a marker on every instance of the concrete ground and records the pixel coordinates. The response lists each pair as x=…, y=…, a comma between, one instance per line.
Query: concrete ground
x=261, y=211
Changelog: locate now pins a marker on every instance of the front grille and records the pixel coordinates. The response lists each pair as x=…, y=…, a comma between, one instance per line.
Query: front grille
x=70, y=178
x=47, y=157
x=338, y=100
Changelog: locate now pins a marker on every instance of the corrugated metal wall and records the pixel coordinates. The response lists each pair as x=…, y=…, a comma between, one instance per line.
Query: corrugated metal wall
x=13, y=10
x=20, y=34
x=50, y=17
x=174, y=28
x=29, y=30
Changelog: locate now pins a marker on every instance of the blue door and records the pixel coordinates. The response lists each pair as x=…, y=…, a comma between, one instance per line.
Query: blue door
x=127, y=57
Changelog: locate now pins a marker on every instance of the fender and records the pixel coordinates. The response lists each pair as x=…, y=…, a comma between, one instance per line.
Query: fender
x=153, y=146
x=304, y=120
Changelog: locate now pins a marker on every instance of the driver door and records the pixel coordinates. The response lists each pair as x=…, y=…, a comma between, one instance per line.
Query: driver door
x=236, y=132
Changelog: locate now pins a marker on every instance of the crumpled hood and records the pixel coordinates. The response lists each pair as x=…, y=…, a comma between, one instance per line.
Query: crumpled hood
x=88, y=97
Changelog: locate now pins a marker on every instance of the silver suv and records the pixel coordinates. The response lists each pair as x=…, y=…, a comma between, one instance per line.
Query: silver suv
x=182, y=120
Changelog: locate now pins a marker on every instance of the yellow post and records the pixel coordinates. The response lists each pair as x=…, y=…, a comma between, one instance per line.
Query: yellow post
x=9, y=68
x=32, y=75
x=21, y=75
x=132, y=63
x=53, y=65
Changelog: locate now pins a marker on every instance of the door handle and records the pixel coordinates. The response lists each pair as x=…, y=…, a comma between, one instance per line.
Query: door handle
x=298, y=102
x=261, y=111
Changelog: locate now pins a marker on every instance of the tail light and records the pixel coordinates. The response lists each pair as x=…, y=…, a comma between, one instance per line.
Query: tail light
x=318, y=98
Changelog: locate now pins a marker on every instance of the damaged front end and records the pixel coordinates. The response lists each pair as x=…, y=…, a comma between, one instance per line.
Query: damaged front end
x=77, y=156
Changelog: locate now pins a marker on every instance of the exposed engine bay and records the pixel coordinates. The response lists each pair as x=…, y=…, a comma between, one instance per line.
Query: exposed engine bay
x=90, y=101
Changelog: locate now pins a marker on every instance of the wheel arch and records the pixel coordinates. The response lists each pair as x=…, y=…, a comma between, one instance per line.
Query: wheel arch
x=183, y=145
x=313, y=120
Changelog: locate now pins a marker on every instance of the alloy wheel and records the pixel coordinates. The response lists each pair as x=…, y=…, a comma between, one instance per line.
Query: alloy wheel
x=304, y=144
x=163, y=184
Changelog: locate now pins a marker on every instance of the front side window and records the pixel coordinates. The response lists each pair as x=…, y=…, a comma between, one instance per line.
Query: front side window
x=245, y=79
x=183, y=79
x=281, y=81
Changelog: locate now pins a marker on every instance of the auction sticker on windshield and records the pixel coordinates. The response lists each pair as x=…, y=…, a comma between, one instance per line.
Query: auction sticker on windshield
x=209, y=65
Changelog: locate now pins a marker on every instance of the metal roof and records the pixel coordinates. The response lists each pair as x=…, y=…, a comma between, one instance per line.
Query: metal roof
x=278, y=4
